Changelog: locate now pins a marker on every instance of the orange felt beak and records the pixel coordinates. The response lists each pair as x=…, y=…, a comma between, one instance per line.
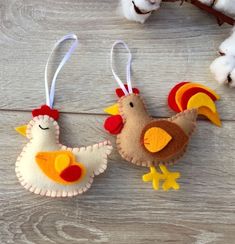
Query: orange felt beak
x=112, y=110
x=21, y=130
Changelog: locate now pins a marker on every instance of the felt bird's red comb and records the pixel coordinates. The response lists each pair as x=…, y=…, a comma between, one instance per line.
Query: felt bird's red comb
x=120, y=92
x=46, y=110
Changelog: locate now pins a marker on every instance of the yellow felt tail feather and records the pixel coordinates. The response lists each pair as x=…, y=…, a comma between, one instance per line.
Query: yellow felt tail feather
x=201, y=100
x=187, y=86
x=213, y=117
x=205, y=106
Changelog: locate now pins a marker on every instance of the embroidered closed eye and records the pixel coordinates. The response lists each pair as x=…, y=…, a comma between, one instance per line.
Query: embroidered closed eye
x=43, y=128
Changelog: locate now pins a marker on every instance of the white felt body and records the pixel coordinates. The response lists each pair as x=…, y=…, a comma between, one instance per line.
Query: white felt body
x=94, y=158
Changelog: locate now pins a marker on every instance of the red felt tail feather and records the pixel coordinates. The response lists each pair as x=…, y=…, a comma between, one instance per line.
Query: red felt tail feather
x=171, y=97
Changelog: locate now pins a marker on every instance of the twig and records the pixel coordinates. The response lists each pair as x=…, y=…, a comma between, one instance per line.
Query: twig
x=221, y=18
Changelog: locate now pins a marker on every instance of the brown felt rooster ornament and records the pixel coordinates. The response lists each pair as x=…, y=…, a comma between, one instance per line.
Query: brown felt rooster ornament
x=47, y=167
x=145, y=141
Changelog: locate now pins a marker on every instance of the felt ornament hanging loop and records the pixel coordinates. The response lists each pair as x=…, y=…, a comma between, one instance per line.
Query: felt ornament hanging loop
x=127, y=90
x=47, y=167
x=50, y=95
x=144, y=140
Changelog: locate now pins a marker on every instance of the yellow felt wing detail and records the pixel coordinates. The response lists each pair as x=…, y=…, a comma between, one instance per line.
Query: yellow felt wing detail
x=155, y=139
x=62, y=161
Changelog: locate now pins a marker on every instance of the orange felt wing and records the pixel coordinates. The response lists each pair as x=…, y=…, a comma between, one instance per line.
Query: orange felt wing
x=60, y=166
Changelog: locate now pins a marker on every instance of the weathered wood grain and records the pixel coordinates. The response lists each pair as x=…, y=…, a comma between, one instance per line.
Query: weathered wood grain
x=177, y=43
x=119, y=208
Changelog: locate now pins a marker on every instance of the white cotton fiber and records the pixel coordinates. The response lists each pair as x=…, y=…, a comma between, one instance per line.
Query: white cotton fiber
x=226, y=6
x=232, y=77
x=128, y=8
x=207, y=2
x=228, y=46
x=222, y=68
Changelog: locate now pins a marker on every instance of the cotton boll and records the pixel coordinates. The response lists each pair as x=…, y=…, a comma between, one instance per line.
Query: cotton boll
x=226, y=6
x=147, y=5
x=228, y=46
x=232, y=78
x=139, y=10
x=222, y=68
x=207, y=2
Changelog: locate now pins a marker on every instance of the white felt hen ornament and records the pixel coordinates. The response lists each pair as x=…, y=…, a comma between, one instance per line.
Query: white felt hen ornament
x=49, y=168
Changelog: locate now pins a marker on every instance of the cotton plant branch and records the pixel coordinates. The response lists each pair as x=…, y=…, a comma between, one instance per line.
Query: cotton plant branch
x=223, y=68
x=140, y=10
x=221, y=17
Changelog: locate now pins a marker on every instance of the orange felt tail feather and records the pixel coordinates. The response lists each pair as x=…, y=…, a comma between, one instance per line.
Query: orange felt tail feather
x=213, y=117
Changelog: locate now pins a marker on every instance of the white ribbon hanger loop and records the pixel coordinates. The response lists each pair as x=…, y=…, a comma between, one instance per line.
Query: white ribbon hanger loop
x=128, y=68
x=50, y=95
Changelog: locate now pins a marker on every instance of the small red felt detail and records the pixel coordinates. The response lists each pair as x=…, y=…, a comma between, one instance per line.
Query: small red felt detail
x=114, y=124
x=192, y=91
x=120, y=92
x=171, y=97
x=46, y=110
x=72, y=173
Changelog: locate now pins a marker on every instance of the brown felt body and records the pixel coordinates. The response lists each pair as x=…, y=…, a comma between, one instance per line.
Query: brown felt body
x=136, y=119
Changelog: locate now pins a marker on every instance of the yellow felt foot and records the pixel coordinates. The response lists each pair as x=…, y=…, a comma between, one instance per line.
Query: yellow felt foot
x=153, y=176
x=170, y=179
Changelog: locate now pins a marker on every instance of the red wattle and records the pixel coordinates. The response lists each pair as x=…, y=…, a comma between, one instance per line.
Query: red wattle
x=114, y=124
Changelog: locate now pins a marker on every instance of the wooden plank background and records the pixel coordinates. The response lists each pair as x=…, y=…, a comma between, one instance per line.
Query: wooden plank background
x=177, y=43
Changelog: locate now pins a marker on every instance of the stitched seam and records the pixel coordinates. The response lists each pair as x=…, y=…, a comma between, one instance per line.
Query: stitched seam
x=138, y=162
x=60, y=193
